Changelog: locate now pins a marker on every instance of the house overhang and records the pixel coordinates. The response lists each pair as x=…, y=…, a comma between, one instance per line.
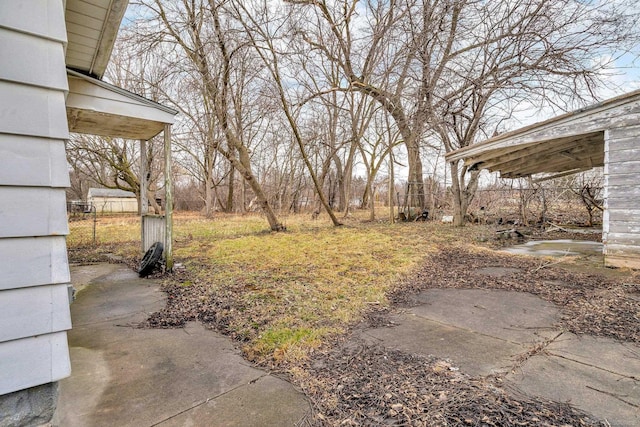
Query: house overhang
x=92, y=27
x=569, y=143
x=99, y=108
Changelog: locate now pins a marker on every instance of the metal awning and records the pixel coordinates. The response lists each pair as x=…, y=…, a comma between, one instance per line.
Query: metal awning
x=99, y=108
x=566, y=144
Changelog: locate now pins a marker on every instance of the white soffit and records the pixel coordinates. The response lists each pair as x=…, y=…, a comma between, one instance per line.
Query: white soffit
x=572, y=141
x=92, y=27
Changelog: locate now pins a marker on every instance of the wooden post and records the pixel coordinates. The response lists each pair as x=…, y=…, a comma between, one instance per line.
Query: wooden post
x=392, y=187
x=143, y=189
x=168, y=192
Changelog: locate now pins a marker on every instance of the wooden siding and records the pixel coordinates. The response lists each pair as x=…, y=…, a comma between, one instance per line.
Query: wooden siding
x=48, y=312
x=621, y=230
x=33, y=211
x=43, y=18
x=33, y=111
x=34, y=271
x=36, y=61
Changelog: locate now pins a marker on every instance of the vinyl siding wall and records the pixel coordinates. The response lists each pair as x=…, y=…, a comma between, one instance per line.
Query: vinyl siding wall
x=34, y=271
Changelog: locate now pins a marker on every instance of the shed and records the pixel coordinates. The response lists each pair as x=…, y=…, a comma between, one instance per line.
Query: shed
x=605, y=134
x=112, y=200
x=59, y=52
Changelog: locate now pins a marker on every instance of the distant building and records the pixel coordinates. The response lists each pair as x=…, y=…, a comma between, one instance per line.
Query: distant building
x=108, y=200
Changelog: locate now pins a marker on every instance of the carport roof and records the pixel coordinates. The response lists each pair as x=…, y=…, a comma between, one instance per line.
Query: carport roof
x=565, y=144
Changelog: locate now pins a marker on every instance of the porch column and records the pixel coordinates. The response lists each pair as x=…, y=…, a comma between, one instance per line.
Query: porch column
x=143, y=189
x=144, y=203
x=168, y=189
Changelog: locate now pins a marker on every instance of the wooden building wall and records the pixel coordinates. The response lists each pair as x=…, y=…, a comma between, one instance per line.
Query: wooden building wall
x=621, y=222
x=34, y=271
x=114, y=204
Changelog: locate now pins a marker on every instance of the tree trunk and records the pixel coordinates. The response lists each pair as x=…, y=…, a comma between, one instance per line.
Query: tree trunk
x=462, y=194
x=392, y=187
x=365, y=196
x=209, y=196
x=348, y=178
x=244, y=168
x=230, y=191
x=416, y=189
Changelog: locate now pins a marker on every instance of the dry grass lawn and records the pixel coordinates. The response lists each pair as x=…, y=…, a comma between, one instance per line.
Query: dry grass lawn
x=281, y=294
x=287, y=297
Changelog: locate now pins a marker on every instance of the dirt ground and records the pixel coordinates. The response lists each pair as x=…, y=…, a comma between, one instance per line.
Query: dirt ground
x=355, y=384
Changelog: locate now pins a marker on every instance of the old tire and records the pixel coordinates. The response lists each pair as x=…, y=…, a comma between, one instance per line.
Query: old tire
x=150, y=259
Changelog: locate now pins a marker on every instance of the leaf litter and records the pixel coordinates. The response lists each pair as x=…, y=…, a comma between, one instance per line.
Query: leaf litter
x=357, y=384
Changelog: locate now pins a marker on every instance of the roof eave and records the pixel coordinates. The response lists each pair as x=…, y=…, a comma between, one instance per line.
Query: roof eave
x=108, y=36
x=471, y=150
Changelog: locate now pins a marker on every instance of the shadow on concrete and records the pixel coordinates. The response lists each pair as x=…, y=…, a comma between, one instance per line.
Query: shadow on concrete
x=126, y=376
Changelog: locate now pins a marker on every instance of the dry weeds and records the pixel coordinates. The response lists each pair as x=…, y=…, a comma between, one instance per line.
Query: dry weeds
x=289, y=298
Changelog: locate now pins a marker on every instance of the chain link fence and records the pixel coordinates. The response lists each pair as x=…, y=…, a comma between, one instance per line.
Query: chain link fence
x=88, y=227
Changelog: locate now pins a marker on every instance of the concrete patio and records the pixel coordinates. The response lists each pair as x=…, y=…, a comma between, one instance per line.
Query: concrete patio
x=513, y=335
x=126, y=376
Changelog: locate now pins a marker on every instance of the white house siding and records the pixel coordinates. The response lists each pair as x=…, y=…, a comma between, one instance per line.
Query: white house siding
x=621, y=230
x=34, y=271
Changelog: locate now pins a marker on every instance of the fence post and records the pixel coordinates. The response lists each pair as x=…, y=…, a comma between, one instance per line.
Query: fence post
x=95, y=223
x=143, y=190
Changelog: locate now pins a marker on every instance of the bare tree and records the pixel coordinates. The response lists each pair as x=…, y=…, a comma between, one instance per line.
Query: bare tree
x=499, y=54
x=205, y=39
x=114, y=163
x=443, y=69
x=589, y=190
x=259, y=26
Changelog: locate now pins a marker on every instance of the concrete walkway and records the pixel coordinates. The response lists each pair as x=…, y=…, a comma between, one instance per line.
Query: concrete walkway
x=123, y=376
x=512, y=334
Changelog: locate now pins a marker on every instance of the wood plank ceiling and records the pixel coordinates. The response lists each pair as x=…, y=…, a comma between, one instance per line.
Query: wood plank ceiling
x=567, y=154
x=562, y=145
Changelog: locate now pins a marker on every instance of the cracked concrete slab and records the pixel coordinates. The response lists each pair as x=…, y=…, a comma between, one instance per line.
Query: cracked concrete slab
x=493, y=332
x=609, y=396
x=481, y=331
x=511, y=316
x=606, y=353
x=126, y=376
x=475, y=354
x=240, y=408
